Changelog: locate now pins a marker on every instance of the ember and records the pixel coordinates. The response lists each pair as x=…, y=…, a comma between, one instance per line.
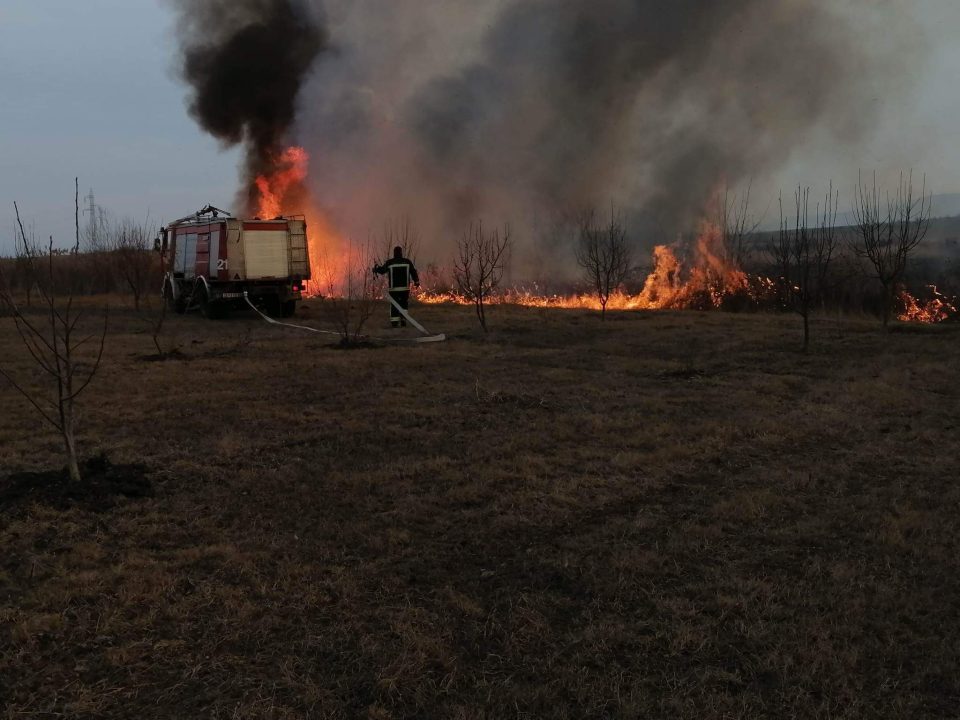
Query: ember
x=937, y=309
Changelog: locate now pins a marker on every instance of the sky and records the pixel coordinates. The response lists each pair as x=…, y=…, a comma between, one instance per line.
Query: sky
x=90, y=90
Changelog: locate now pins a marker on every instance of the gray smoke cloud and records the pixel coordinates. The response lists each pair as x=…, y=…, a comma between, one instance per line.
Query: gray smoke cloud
x=521, y=111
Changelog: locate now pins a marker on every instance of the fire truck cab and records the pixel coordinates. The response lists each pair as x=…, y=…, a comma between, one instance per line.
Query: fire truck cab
x=211, y=259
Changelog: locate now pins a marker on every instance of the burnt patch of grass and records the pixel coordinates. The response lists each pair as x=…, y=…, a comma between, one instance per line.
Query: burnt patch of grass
x=103, y=484
x=165, y=357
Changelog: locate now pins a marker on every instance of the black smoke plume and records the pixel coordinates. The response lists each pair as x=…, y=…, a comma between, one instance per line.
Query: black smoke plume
x=246, y=61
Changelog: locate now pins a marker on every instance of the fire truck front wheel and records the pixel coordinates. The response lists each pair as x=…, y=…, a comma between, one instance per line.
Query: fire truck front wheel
x=177, y=305
x=288, y=308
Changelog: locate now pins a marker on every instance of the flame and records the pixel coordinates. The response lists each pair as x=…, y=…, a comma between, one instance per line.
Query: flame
x=937, y=309
x=283, y=192
x=711, y=281
x=708, y=280
x=290, y=170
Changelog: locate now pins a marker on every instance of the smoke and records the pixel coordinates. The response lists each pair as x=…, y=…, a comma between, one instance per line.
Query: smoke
x=245, y=61
x=524, y=111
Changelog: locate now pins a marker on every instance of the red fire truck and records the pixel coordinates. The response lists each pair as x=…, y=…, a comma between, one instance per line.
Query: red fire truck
x=211, y=259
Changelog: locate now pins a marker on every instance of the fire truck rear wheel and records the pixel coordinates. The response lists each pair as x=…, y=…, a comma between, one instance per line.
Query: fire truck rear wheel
x=288, y=308
x=210, y=310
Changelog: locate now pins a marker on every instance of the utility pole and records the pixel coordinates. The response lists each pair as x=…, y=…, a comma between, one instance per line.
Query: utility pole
x=92, y=211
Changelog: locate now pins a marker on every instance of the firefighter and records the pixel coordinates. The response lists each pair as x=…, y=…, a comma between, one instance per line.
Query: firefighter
x=399, y=271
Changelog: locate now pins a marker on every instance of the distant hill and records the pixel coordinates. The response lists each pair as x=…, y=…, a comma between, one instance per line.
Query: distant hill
x=942, y=206
x=942, y=240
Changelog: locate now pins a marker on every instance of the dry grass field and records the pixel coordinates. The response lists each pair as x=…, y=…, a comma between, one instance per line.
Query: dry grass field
x=666, y=515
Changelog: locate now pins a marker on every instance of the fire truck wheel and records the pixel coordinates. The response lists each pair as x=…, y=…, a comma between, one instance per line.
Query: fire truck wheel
x=177, y=305
x=272, y=306
x=288, y=308
x=210, y=310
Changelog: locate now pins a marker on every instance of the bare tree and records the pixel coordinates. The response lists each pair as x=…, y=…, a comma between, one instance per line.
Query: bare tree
x=157, y=306
x=479, y=265
x=887, y=234
x=24, y=250
x=603, y=254
x=803, y=254
x=735, y=225
x=134, y=261
x=52, y=339
x=351, y=291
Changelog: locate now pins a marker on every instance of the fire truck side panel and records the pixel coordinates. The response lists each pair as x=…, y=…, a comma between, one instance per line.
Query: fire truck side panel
x=214, y=252
x=202, y=264
x=266, y=252
x=234, y=251
x=180, y=252
x=189, y=242
x=216, y=261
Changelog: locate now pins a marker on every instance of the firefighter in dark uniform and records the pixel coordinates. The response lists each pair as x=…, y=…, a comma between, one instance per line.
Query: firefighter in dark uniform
x=399, y=271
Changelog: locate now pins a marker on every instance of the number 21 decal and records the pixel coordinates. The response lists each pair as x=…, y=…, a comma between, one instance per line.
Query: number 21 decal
x=221, y=264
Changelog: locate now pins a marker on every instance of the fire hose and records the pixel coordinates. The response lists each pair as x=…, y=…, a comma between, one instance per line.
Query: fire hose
x=426, y=339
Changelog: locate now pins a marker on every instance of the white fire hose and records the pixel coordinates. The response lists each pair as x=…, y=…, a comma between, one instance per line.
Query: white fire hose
x=428, y=337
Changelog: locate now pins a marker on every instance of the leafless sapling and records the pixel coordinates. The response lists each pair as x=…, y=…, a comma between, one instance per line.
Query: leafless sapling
x=603, y=254
x=135, y=263
x=52, y=338
x=887, y=233
x=157, y=307
x=736, y=226
x=24, y=251
x=351, y=291
x=479, y=265
x=803, y=254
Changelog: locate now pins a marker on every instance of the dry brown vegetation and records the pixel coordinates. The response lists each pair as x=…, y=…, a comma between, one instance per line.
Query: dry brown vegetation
x=668, y=514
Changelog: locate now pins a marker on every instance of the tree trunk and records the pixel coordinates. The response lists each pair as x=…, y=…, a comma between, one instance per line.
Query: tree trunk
x=71, y=445
x=806, y=330
x=887, y=305
x=481, y=315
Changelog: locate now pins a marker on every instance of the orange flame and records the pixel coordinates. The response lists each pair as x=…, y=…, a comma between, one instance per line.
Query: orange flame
x=710, y=282
x=282, y=192
x=289, y=173
x=937, y=309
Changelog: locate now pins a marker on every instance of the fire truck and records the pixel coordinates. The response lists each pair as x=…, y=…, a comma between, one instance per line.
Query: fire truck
x=212, y=259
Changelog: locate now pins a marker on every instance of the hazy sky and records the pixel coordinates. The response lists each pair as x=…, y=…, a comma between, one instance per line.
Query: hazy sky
x=88, y=90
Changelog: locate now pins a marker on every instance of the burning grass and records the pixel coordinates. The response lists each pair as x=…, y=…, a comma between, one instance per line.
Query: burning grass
x=665, y=515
